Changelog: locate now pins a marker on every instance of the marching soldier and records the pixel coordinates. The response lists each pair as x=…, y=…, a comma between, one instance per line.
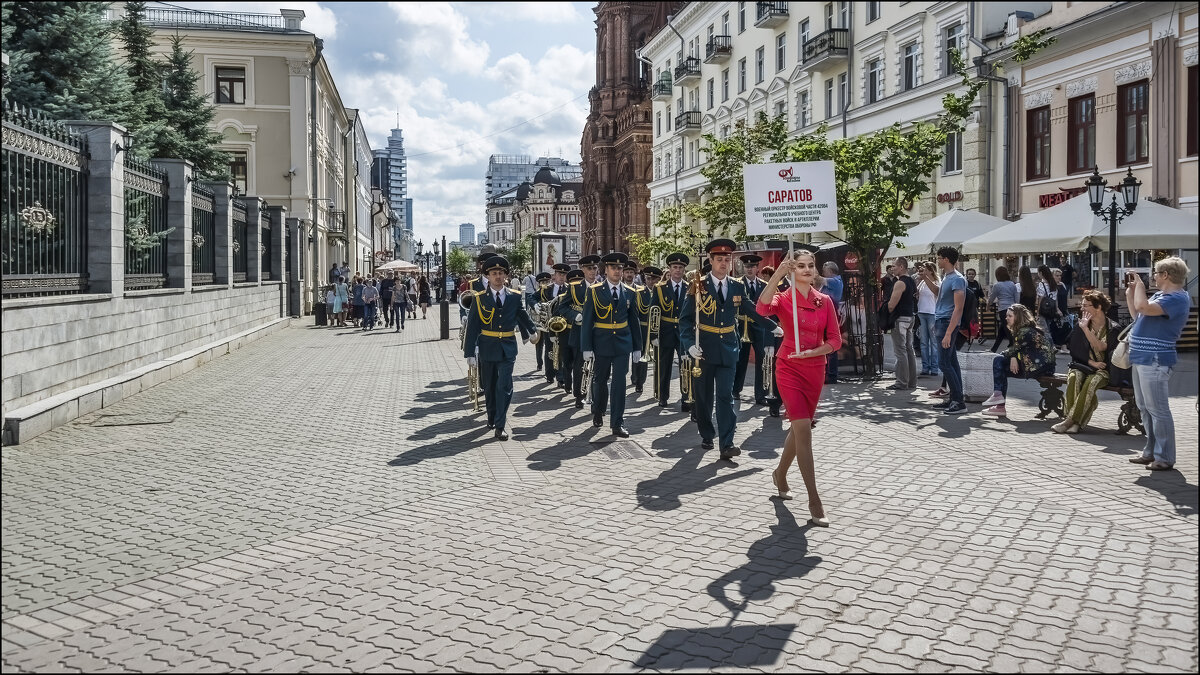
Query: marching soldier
x=629, y=274
x=558, y=286
x=542, y=347
x=720, y=300
x=753, y=335
x=478, y=283
x=610, y=341
x=571, y=309
x=495, y=316
x=668, y=295
x=645, y=300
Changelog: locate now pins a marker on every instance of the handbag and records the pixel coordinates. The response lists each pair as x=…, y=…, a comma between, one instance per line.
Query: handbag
x=1083, y=368
x=1120, y=353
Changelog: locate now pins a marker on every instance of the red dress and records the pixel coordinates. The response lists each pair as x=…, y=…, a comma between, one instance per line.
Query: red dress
x=800, y=381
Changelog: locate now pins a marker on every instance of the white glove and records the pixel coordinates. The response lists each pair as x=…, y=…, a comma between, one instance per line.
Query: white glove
x=526, y=339
x=778, y=332
x=654, y=342
x=578, y=319
x=471, y=361
x=770, y=351
x=588, y=356
x=695, y=352
x=637, y=356
x=464, y=322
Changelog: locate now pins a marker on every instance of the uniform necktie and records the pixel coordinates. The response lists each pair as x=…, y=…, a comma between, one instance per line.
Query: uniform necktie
x=498, y=303
x=721, y=290
x=678, y=291
x=616, y=296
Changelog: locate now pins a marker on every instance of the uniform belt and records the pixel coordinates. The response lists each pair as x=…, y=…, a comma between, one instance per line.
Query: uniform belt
x=498, y=333
x=645, y=323
x=714, y=329
x=670, y=320
x=611, y=326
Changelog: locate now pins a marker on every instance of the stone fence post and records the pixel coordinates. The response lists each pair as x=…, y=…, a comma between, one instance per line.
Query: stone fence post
x=254, y=257
x=106, y=205
x=223, y=224
x=179, y=215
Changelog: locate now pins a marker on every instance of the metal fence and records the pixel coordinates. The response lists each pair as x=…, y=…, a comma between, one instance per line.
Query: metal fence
x=204, y=237
x=146, y=227
x=44, y=237
x=264, y=243
x=241, y=247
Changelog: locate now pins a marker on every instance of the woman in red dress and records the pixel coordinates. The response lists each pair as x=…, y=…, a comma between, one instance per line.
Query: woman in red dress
x=800, y=367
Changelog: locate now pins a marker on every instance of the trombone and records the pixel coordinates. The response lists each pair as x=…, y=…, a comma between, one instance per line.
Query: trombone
x=654, y=328
x=689, y=368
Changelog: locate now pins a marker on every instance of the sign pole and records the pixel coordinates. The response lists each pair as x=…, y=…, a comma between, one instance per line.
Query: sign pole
x=795, y=312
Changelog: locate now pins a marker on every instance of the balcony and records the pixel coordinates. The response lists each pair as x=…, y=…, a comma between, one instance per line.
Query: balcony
x=771, y=14
x=718, y=49
x=661, y=91
x=688, y=71
x=687, y=121
x=832, y=46
x=336, y=225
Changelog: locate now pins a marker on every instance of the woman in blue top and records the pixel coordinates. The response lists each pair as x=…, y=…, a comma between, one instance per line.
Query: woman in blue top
x=1003, y=295
x=1158, y=323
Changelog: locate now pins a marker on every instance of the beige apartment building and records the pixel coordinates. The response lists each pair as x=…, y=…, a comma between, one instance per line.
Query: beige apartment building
x=545, y=204
x=292, y=139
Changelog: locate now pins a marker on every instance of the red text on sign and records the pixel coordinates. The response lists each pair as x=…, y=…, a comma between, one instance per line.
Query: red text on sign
x=784, y=196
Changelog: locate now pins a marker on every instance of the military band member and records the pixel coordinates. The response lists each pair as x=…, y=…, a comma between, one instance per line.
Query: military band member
x=759, y=337
x=668, y=295
x=628, y=276
x=558, y=286
x=773, y=400
x=721, y=300
x=496, y=314
x=571, y=309
x=542, y=348
x=478, y=283
x=610, y=341
x=645, y=300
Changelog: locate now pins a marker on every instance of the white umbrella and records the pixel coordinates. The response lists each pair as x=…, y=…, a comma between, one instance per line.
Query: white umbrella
x=398, y=266
x=1071, y=226
x=949, y=229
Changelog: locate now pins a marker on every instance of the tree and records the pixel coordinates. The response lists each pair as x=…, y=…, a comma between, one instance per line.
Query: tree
x=874, y=174
x=459, y=262
x=675, y=234
x=519, y=254
x=189, y=117
x=61, y=60
x=147, y=113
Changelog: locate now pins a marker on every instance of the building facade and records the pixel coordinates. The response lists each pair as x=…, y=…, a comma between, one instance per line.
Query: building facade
x=466, y=234
x=616, y=139
x=506, y=172
x=547, y=204
x=500, y=216
x=389, y=173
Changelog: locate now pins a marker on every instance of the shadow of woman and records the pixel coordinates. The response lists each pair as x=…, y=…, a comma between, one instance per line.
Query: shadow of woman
x=684, y=477
x=1174, y=486
x=779, y=555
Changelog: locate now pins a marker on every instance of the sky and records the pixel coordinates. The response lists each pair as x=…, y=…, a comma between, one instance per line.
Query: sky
x=467, y=80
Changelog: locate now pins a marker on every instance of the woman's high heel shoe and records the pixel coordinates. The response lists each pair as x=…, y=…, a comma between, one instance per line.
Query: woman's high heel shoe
x=821, y=521
x=783, y=494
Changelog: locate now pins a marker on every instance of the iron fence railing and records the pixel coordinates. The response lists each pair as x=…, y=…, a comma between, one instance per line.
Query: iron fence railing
x=146, y=227
x=241, y=248
x=204, y=237
x=44, y=230
x=264, y=245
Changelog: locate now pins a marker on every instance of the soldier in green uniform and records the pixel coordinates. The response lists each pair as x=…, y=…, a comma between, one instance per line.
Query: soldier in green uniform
x=758, y=338
x=645, y=300
x=713, y=314
x=668, y=296
x=495, y=315
x=610, y=341
x=571, y=309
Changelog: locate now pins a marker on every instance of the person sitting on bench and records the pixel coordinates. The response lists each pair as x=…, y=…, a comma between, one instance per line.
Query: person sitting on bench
x=1031, y=354
x=1091, y=341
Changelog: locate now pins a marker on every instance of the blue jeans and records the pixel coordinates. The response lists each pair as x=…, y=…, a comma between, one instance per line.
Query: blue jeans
x=399, y=312
x=369, y=315
x=1150, y=392
x=1000, y=374
x=929, y=346
x=948, y=360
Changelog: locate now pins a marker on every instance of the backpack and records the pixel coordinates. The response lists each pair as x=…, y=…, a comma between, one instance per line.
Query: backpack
x=1048, y=305
x=968, y=325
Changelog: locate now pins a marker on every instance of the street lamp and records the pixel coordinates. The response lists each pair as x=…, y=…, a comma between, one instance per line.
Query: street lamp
x=445, y=304
x=1114, y=213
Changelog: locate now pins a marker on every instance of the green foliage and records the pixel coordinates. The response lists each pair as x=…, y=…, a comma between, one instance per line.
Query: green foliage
x=459, y=262
x=675, y=235
x=189, y=132
x=723, y=210
x=61, y=60
x=146, y=116
x=519, y=254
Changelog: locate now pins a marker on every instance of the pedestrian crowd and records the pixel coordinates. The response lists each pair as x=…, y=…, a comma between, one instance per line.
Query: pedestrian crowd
x=385, y=299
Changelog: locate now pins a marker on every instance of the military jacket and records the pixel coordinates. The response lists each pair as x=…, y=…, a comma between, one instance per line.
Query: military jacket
x=606, y=323
x=493, y=330
x=719, y=339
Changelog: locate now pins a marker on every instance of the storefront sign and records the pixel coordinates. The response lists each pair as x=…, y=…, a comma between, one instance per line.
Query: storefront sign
x=790, y=197
x=1049, y=199
x=955, y=196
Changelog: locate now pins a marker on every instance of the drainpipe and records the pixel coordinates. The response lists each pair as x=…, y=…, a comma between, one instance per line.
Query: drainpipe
x=981, y=65
x=849, y=68
x=679, y=164
x=319, y=47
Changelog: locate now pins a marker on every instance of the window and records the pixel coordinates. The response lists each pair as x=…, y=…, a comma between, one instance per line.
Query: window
x=741, y=75
x=712, y=93
x=1081, y=134
x=952, y=162
x=874, y=80
x=741, y=17
x=1133, y=123
x=828, y=15
x=1038, y=152
x=231, y=85
x=955, y=39
x=843, y=14
x=668, y=118
x=781, y=109
x=843, y=92
x=1193, y=92
x=828, y=98
x=780, y=51
x=805, y=117
x=760, y=66
x=724, y=85
x=802, y=30
x=873, y=11
x=909, y=73
x=725, y=23
x=658, y=124
x=237, y=169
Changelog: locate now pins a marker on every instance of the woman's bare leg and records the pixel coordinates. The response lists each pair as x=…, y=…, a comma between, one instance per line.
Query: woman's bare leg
x=802, y=432
x=785, y=460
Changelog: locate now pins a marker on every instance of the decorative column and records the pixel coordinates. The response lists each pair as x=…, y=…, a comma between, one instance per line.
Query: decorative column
x=254, y=218
x=278, y=241
x=106, y=206
x=179, y=216
x=223, y=226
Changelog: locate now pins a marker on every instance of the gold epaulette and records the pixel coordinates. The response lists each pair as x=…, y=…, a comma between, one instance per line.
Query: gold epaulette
x=598, y=284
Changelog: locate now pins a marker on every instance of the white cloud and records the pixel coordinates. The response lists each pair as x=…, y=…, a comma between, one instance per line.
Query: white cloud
x=536, y=12
x=438, y=32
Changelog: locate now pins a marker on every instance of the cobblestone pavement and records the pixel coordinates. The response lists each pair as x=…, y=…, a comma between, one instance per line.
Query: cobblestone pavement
x=323, y=499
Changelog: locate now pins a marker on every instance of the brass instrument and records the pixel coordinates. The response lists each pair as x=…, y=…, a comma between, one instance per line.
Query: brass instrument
x=473, y=386
x=464, y=300
x=541, y=317
x=689, y=368
x=585, y=379
x=768, y=367
x=651, y=355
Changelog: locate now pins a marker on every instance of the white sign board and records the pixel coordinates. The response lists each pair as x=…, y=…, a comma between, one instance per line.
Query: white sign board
x=790, y=197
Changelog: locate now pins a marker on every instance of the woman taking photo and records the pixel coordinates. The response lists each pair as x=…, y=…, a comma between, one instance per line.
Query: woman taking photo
x=1090, y=343
x=1031, y=354
x=927, y=292
x=800, y=367
x=423, y=296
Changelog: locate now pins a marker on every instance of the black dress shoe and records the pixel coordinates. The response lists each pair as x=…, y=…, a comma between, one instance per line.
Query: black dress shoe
x=579, y=404
x=501, y=435
x=491, y=425
x=774, y=412
x=664, y=404
x=597, y=420
x=620, y=432
x=685, y=407
x=549, y=379
x=731, y=450
x=706, y=444
x=637, y=390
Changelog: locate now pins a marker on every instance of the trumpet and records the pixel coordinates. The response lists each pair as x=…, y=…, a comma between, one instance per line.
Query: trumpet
x=464, y=300
x=473, y=386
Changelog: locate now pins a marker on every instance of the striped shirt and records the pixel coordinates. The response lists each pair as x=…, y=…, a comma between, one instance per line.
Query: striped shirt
x=1154, y=337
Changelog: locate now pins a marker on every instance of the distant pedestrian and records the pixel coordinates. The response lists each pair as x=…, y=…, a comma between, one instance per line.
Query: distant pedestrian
x=411, y=282
x=341, y=300
x=333, y=273
x=833, y=288
x=330, y=302
x=1002, y=295
x=947, y=317
x=385, y=298
x=370, y=298
x=927, y=292
x=902, y=305
x=1031, y=354
x=399, y=305
x=356, y=301
x=423, y=293
x=1091, y=341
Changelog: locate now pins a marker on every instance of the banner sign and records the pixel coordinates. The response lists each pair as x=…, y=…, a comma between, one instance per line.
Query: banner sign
x=791, y=197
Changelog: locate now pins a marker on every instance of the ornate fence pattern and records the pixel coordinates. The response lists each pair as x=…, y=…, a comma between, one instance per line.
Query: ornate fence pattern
x=204, y=237
x=241, y=247
x=146, y=227
x=264, y=243
x=44, y=173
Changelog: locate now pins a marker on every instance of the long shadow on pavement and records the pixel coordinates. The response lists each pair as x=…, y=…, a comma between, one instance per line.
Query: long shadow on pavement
x=1174, y=486
x=780, y=555
x=686, y=477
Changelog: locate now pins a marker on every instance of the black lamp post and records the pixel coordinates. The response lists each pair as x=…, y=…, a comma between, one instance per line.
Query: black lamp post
x=420, y=248
x=445, y=296
x=1114, y=213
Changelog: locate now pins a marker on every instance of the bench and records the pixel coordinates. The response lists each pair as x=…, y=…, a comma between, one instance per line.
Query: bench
x=1054, y=400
